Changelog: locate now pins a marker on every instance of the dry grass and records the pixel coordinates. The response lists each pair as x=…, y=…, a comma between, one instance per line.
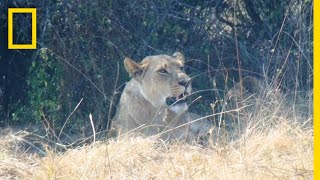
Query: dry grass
x=283, y=152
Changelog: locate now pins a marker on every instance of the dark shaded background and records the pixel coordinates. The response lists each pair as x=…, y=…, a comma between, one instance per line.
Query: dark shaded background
x=81, y=45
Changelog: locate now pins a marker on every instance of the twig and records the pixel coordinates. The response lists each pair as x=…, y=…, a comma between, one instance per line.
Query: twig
x=93, y=129
x=237, y=48
x=112, y=98
x=25, y=141
x=69, y=117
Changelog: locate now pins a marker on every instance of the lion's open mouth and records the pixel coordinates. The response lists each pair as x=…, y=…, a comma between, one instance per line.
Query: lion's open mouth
x=171, y=101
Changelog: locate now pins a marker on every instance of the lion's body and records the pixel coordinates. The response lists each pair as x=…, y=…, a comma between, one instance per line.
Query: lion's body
x=143, y=104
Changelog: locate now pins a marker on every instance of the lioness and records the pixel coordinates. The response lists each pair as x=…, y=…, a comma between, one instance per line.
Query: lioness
x=154, y=100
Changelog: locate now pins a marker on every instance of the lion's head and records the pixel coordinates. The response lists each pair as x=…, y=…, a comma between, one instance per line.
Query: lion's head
x=162, y=79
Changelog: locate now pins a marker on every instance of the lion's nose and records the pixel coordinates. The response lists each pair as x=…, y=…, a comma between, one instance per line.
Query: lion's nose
x=184, y=82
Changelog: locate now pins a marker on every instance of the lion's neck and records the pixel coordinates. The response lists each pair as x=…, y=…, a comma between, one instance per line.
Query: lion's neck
x=138, y=97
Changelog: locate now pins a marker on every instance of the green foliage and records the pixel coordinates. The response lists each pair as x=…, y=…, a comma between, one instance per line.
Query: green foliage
x=44, y=84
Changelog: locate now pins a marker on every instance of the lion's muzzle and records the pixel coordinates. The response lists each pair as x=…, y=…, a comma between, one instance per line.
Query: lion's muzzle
x=179, y=99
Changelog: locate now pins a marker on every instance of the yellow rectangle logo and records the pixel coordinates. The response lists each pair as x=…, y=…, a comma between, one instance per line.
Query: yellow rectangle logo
x=33, y=12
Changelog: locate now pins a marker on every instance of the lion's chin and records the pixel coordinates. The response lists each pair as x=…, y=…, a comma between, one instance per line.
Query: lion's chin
x=179, y=108
x=177, y=104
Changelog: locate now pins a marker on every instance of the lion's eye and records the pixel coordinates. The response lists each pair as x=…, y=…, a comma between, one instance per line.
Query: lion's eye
x=182, y=68
x=163, y=71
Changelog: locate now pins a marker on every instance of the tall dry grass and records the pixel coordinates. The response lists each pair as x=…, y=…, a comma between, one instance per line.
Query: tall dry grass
x=276, y=143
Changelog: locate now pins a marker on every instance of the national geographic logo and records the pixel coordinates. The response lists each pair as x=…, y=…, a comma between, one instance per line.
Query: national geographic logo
x=33, y=12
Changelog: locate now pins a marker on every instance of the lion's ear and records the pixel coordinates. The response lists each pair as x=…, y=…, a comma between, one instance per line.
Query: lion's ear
x=134, y=69
x=179, y=56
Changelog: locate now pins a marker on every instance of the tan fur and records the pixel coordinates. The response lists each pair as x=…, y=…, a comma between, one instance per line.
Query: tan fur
x=143, y=106
x=241, y=98
x=247, y=86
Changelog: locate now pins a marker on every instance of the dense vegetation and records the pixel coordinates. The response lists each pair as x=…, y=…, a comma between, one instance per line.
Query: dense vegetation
x=77, y=67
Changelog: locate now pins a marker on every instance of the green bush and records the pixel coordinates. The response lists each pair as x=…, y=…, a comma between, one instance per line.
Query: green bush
x=44, y=84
